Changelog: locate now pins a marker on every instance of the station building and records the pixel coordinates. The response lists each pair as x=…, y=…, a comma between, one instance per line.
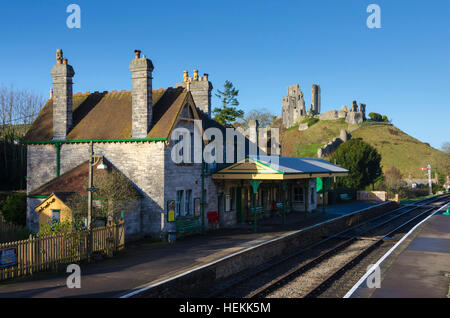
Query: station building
x=132, y=132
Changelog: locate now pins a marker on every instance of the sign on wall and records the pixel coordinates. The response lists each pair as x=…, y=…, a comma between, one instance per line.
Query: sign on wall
x=197, y=206
x=171, y=210
x=8, y=257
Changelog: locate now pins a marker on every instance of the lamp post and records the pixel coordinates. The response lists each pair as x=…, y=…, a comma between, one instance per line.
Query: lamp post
x=93, y=160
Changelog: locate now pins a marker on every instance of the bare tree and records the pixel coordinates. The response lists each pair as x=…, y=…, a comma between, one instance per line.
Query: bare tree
x=18, y=109
x=263, y=116
x=114, y=191
x=446, y=147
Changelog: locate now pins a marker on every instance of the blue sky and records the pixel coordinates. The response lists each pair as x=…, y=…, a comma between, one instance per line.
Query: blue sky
x=401, y=70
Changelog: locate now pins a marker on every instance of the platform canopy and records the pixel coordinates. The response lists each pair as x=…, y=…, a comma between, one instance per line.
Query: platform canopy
x=279, y=168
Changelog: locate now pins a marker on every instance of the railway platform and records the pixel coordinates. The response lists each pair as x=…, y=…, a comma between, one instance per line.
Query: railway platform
x=419, y=267
x=148, y=263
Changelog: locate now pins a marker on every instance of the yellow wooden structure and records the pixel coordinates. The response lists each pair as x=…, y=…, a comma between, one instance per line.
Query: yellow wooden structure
x=53, y=207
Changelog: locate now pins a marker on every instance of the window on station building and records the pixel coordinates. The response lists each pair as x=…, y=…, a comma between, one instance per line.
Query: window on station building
x=298, y=194
x=188, y=203
x=179, y=203
x=233, y=198
x=55, y=215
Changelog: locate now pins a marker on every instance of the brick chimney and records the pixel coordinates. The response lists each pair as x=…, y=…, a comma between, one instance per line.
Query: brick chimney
x=200, y=88
x=62, y=74
x=141, y=97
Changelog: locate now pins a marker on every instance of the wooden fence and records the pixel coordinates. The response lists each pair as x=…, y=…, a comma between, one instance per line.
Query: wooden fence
x=47, y=253
x=11, y=232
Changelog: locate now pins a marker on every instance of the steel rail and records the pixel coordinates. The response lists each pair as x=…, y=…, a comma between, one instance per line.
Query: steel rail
x=323, y=285
x=298, y=270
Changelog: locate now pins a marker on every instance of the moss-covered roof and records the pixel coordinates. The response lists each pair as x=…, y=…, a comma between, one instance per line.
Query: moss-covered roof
x=107, y=115
x=74, y=181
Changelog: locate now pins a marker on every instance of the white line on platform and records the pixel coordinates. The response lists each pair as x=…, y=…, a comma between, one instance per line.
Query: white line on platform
x=140, y=290
x=362, y=279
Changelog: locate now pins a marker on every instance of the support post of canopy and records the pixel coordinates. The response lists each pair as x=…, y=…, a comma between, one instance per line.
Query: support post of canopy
x=255, y=184
x=283, y=193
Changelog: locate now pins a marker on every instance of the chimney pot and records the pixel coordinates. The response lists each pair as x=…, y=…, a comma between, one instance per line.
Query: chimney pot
x=59, y=56
x=61, y=94
x=200, y=89
x=141, y=95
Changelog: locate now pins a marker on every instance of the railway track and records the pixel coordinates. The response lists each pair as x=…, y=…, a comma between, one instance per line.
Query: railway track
x=310, y=271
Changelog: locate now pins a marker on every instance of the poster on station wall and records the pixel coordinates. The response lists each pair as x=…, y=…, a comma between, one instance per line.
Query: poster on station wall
x=171, y=210
x=197, y=206
x=8, y=257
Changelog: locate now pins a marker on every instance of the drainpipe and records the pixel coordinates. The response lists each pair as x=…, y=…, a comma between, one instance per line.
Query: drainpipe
x=58, y=157
x=202, y=205
x=283, y=187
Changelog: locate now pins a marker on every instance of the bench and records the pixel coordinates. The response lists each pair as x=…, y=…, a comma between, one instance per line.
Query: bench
x=344, y=197
x=280, y=207
x=259, y=213
x=188, y=224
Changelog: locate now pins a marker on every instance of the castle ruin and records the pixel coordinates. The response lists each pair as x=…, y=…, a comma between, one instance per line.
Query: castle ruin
x=293, y=108
x=293, y=105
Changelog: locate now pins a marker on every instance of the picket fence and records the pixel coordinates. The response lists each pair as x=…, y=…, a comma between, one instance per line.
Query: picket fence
x=48, y=253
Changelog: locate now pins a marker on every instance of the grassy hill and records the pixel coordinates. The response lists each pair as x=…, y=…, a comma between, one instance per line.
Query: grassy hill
x=305, y=143
x=400, y=150
x=397, y=148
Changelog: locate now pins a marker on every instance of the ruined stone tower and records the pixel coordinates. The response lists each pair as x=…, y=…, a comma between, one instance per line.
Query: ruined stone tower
x=315, y=99
x=62, y=74
x=293, y=106
x=141, y=97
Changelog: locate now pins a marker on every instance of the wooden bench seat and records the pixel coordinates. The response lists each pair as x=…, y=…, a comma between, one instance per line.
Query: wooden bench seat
x=345, y=197
x=188, y=224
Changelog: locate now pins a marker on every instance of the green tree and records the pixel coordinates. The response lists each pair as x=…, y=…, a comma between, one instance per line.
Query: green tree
x=363, y=162
x=375, y=117
x=228, y=113
x=14, y=209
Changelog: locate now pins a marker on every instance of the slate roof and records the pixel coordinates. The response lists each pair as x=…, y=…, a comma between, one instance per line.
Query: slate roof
x=288, y=165
x=107, y=115
x=278, y=168
x=72, y=181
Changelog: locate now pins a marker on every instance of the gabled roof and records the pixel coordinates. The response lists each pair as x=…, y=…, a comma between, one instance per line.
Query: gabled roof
x=73, y=181
x=107, y=115
x=279, y=168
x=62, y=197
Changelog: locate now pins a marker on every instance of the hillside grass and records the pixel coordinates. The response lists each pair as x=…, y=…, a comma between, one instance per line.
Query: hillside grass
x=397, y=148
x=400, y=150
x=305, y=143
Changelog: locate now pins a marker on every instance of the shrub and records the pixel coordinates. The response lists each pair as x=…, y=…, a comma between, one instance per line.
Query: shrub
x=54, y=227
x=310, y=121
x=378, y=117
x=14, y=209
x=375, y=117
x=363, y=162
